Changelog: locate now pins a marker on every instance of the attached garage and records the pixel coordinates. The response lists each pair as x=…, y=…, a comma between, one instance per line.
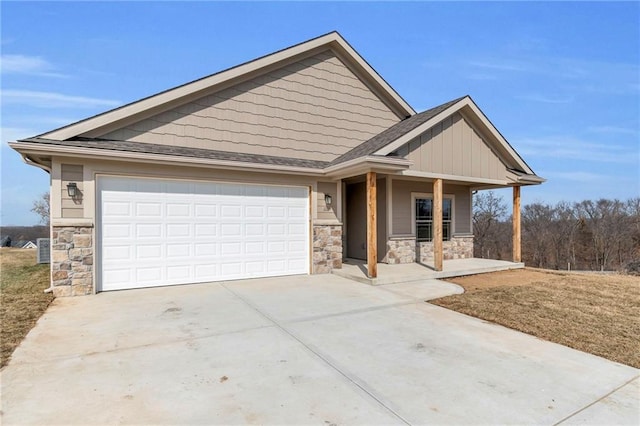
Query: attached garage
x=156, y=232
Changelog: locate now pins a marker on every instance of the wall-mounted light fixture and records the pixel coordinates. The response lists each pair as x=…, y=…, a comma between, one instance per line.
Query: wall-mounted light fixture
x=72, y=189
x=328, y=200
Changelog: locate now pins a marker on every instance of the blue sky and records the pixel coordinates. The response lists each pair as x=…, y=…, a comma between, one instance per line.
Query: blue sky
x=561, y=81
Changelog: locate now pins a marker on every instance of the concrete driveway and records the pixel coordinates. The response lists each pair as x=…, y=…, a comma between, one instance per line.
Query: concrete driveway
x=299, y=350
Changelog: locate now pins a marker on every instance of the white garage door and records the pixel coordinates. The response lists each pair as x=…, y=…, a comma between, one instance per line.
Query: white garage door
x=158, y=232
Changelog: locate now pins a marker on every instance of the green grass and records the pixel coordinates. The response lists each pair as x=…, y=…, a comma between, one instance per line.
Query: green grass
x=22, y=297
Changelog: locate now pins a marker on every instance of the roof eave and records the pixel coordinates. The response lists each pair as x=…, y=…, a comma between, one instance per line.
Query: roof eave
x=365, y=164
x=34, y=148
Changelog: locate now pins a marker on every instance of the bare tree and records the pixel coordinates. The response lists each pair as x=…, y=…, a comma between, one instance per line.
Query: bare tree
x=591, y=235
x=606, y=221
x=488, y=211
x=42, y=209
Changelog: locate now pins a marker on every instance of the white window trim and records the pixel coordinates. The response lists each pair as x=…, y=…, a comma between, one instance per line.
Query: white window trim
x=416, y=195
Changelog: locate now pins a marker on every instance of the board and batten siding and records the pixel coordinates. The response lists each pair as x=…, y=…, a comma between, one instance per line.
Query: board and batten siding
x=315, y=108
x=402, y=205
x=453, y=147
x=71, y=173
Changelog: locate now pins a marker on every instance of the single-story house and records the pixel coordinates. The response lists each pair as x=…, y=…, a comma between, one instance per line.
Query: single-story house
x=29, y=245
x=287, y=164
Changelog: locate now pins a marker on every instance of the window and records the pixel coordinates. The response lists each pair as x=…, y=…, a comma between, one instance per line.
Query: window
x=424, y=218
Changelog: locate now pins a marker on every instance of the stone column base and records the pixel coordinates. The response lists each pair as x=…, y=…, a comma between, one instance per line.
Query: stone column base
x=72, y=260
x=327, y=248
x=406, y=250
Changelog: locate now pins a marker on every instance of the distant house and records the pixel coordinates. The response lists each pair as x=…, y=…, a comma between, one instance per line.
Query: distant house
x=29, y=245
x=287, y=164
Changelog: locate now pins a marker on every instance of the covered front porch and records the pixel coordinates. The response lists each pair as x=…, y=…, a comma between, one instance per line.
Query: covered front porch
x=357, y=270
x=406, y=196
x=422, y=221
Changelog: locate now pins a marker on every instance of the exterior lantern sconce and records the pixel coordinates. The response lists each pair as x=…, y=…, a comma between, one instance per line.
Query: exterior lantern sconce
x=328, y=200
x=72, y=189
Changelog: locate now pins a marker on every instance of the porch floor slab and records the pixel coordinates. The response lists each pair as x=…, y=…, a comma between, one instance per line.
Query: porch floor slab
x=356, y=270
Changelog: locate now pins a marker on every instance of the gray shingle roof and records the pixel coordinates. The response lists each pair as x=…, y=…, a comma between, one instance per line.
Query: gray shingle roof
x=150, y=148
x=392, y=133
x=367, y=148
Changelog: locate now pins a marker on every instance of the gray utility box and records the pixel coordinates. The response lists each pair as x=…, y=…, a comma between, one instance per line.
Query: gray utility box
x=44, y=250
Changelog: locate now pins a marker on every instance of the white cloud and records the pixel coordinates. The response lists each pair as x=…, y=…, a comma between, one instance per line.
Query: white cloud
x=570, y=74
x=23, y=64
x=613, y=129
x=53, y=100
x=12, y=134
x=561, y=147
x=546, y=99
x=576, y=176
x=500, y=65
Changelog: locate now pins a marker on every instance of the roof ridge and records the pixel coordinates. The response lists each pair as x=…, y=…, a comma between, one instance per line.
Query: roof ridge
x=188, y=83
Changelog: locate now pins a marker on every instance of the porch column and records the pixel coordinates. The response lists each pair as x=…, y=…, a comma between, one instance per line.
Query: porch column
x=372, y=226
x=437, y=224
x=516, y=225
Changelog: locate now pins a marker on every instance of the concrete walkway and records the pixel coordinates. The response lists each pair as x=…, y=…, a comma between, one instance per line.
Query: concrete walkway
x=299, y=350
x=355, y=269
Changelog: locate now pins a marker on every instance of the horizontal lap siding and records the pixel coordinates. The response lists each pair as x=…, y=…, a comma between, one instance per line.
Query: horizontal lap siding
x=312, y=109
x=323, y=211
x=453, y=147
x=71, y=208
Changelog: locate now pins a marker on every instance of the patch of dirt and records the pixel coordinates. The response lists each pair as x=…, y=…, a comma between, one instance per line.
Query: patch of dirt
x=593, y=313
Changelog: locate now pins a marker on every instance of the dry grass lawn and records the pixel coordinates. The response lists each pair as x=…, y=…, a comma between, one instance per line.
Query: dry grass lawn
x=594, y=313
x=22, y=300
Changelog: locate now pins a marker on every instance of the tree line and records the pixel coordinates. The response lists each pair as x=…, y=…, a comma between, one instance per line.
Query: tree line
x=600, y=235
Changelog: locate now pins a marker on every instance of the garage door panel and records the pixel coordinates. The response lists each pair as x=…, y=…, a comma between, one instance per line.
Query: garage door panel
x=155, y=232
x=178, y=230
x=276, y=246
x=151, y=274
x=148, y=230
x=148, y=209
x=203, y=211
x=178, y=210
x=206, y=249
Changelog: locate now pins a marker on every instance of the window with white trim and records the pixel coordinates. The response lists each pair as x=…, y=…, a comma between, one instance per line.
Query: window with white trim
x=424, y=218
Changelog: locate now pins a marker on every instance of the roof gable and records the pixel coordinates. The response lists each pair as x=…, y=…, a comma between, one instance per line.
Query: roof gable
x=315, y=108
x=472, y=114
x=153, y=105
x=381, y=140
x=453, y=147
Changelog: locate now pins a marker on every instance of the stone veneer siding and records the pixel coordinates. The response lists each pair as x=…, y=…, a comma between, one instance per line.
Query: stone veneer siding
x=72, y=260
x=406, y=250
x=327, y=248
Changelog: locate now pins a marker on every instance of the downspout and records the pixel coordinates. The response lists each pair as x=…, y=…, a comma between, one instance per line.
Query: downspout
x=30, y=162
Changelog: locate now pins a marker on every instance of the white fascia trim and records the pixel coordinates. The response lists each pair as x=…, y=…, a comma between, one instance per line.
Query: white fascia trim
x=364, y=164
x=408, y=110
x=429, y=175
x=331, y=41
x=391, y=163
x=26, y=148
x=514, y=155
